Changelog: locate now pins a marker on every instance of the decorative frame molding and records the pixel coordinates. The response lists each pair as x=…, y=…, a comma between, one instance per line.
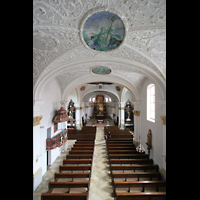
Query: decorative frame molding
x=36, y=120
x=136, y=112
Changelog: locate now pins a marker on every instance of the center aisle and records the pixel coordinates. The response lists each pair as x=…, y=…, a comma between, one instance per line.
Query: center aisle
x=101, y=183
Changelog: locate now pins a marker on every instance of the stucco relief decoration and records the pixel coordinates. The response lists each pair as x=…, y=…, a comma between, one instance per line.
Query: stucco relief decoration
x=103, y=31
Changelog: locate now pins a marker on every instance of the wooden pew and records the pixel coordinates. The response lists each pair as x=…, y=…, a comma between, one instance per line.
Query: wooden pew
x=82, y=148
x=84, y=156
x=136, y=175
x=113, y=142
x=78, y=162
x=134, y=167
x=68, y=185
x=142, y=195
x=64, y=196
x=120, y=144
x=121, y=148
x=131, y=161
x=121, y=136
x=85, y=142
x=81, y=137
x=74, y=168
x=143, y=184
x=123, y=151
x=83, y=145
x=79, y=159
x=128, y=156
x=71, y=175
x=120, y=139
x=80, y=152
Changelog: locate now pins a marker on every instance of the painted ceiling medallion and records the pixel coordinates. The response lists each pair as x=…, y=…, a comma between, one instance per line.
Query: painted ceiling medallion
x=101, y=70
x=82, y=88
x=103, y=31
x=118, y=88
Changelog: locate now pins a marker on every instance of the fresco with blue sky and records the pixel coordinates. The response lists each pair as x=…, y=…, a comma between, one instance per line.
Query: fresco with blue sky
x=103, y=31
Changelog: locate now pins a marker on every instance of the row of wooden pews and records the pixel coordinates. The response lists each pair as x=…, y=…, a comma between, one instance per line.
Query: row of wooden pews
x=133, y=174
x=86, y=133
x=73, y=179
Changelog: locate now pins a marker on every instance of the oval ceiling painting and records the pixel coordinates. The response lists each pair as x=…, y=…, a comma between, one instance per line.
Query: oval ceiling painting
x=103, y=31
x=101, y=70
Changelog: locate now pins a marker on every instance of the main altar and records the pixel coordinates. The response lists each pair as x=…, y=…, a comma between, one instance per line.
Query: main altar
x=100, y=109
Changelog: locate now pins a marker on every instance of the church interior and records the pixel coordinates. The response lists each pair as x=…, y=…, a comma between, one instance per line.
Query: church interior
x=99, y=99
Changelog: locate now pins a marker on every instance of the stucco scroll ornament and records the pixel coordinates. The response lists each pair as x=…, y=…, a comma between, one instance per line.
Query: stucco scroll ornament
x=65, y=12
x=143, y=12
x=50, y=42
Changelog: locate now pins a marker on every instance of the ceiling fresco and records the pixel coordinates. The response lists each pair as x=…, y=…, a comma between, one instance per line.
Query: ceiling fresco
x=103, y=31
x=101, y=70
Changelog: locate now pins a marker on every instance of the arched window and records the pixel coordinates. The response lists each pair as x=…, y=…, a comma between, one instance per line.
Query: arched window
x=151, y=102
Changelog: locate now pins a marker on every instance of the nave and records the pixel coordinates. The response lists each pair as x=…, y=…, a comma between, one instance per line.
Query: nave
x=109, y=171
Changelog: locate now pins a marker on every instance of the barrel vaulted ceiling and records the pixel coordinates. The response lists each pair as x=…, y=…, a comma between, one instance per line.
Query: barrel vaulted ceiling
x=59, y=50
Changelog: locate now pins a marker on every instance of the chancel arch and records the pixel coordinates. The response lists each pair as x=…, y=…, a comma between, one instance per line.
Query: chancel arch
x=118, y=66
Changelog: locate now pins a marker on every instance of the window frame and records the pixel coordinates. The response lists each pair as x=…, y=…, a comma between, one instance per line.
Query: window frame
x=151, y=106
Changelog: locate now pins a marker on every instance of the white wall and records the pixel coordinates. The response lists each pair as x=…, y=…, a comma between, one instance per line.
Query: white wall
x=157, y=128
x=72, y=96
x=51, y=97
x=128, y=96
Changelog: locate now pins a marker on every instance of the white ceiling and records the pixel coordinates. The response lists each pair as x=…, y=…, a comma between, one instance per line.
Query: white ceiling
x=59, y=51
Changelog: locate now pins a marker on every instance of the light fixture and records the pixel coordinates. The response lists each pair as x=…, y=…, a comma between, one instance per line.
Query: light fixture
x=140, y=148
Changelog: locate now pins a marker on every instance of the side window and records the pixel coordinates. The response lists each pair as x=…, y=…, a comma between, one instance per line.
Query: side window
x=151, y=102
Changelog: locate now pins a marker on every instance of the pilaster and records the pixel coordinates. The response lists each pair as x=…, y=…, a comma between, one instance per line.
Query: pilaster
x=78, y=115
x=121, y=110
x=163, y=121
x=137, y=121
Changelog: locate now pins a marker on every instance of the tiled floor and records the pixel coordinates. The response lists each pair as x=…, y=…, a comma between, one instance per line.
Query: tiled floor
x=100, y=185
